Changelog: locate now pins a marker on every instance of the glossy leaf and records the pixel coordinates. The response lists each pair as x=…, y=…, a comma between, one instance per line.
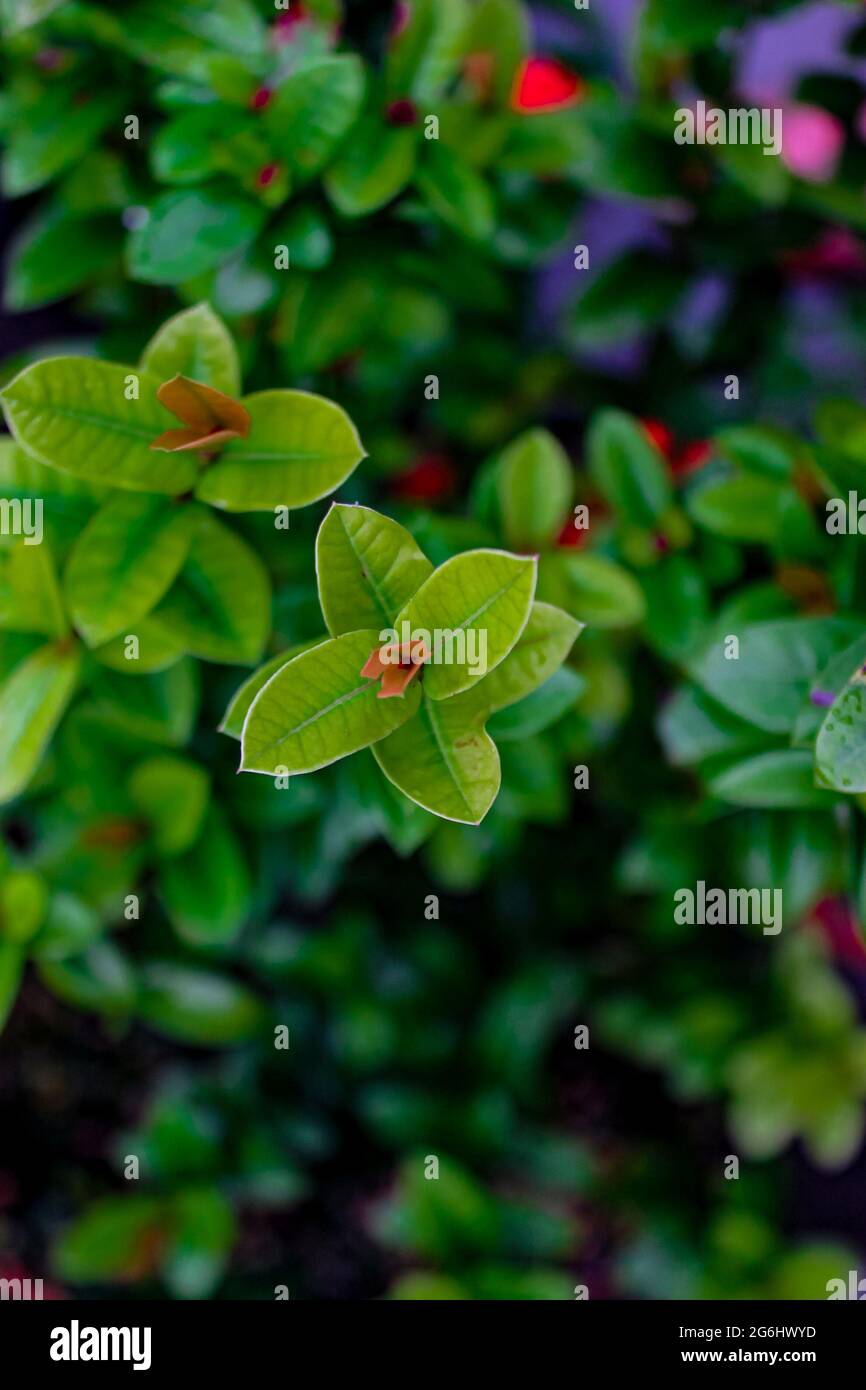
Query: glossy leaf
x=594, y=589
x=374, y=166
x=300, y=448
x=30, y=597
x=206, y=890
x=627, y=468
x=313, y=109
x=488, y=592
x=189, y=232
x=219, y=608
x=73, y=413
x=123, y=563
x=32, y=701
x=368, y=568
x=172, y=795
x=318, y=708
x=196, y=344
x=535, y=487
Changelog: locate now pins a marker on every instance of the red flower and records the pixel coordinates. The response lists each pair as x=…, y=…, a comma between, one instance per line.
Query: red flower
x=267, y=175
x=260, y=97
x=659, y=434
x=431, y=478
x=543, y=84
x=571, y=536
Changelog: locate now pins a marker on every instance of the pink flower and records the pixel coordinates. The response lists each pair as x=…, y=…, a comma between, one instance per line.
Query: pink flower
x=812, y=142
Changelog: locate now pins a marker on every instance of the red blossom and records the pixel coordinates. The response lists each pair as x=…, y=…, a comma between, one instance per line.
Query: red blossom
x=260, y=98
x=543, y=84
x=267, y=175
x=430, y=479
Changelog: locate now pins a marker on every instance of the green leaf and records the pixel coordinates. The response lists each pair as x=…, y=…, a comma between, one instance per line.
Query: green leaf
x=30, y=598
x=197, y=344
x=374, y=166
x=155, y=651
x=124, y=561
x=203, y=1232
x=207, y=891
x=306, y=235
x=424, y=56
x=202, y=141
x=319, y=708
x=783, y=777
x=172, y=795
x=191, y=231
x=594, y=590
x=629, y=297
x=488, y=592
x=56, y=255
x=777, y=664
x=443, y=760
x=159, y=707
x=534, y=485
x=693, y=728
x=73, y=414
x=313, y=109
x=627, y=468
x=197, y=1006
x=368, y=568
x=300, y=448
x=500, y=28
x=538, y=711
x=219, y=608
x=540, y=650
x=745, y=508
x=114, y=1239
x=12, y=959
x=456, y=193
x=32, y=701
x=23, y=902
x=21, y=14
x=99, y=978
x=840, y=749
x=51, y=132
x=233, y=719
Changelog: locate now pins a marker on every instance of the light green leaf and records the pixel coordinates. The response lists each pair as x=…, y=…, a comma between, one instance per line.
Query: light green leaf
x=172, y=795
x=487, y=592
x=540, y=650
x=444, y=761
x=442, y=758
x=197, y=344
x=782, y=777
x=203, y=1231
x=191, y=231
x=840, y=749
x=627, y=468
x=233, y=719
x=207, y=890
x=313, y=109
x=30, y=598
x=124, y=561
x=219, y=608
x=374, y=166
x=99, y=978
x=595, y=590
x=368, y=568
x=32, y=701
x=320, y=708
x=72, y=413
x=777, y=663
x=300, y=447
x=535, y=488
x=156, y=651
x=744, y=508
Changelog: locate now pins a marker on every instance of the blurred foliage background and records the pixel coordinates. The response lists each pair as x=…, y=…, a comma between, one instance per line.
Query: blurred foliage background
x=560, y=1166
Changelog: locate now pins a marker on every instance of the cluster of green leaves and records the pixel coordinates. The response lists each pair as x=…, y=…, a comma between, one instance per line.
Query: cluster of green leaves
x=301, y=714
